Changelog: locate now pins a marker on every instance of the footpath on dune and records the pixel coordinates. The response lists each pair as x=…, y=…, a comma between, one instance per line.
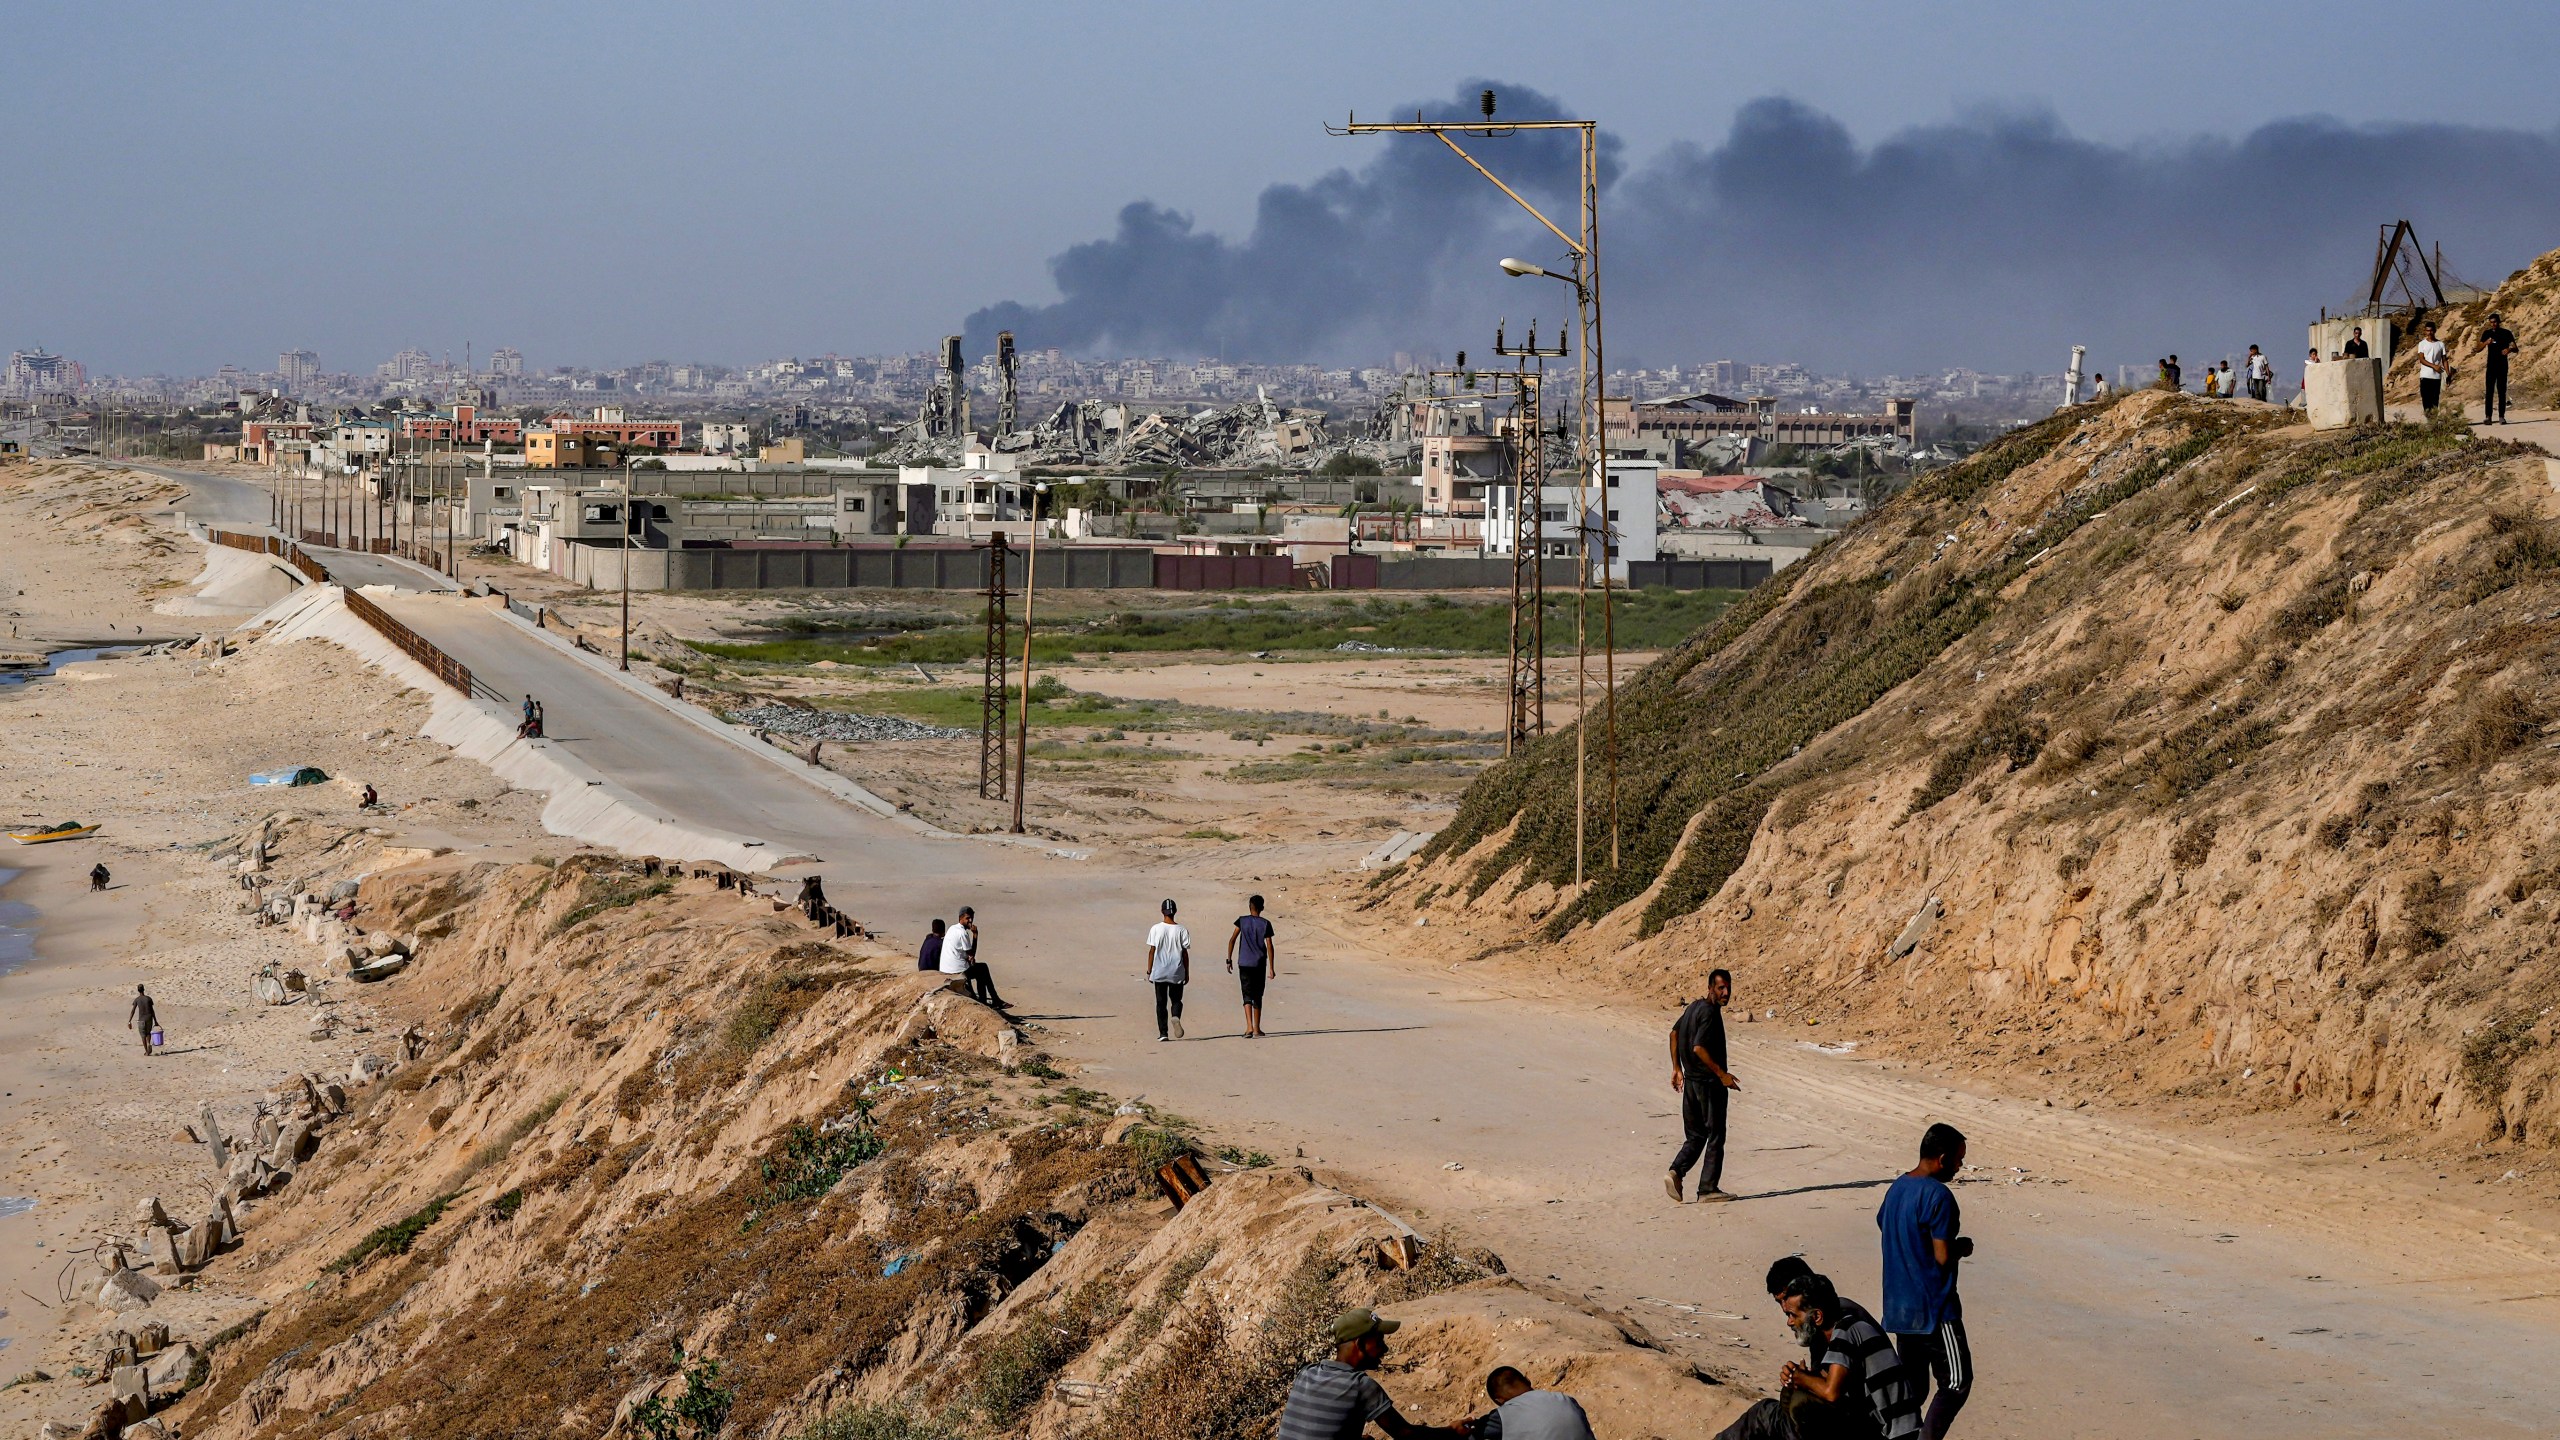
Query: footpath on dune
x=648, y=1151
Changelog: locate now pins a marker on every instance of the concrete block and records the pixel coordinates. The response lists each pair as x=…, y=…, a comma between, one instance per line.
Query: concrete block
x=169, y=1372
x=2340, y=393
x=127, y=1290
x=1924, y=921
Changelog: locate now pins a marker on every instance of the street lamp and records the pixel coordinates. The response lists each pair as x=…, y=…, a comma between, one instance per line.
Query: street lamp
x=1022, y=722
x=1595, y=495
x=630, y=464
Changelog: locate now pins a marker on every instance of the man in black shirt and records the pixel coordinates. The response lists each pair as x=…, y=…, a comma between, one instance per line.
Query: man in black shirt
x=2355, y=348
x=1698, y=1072
x=2499, y=342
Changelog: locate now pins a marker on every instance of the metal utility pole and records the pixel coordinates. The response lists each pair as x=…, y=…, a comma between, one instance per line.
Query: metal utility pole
x=1005, y=398
x=1592, y=460
x=1022, y=721
x=628, y=465
x=992, y=694
x=1528, y=540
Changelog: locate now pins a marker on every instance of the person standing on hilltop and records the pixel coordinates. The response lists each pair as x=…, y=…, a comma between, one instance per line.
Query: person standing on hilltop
x=2497, y=343
x=1253, y=956
x=1168, y=969
x=144, y=1017
x=1698, y=1072
x=1922, y=1231
x=2262, y=373
x=2432, y=368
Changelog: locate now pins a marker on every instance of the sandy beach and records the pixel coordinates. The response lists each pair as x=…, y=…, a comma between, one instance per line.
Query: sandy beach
x=156, y=749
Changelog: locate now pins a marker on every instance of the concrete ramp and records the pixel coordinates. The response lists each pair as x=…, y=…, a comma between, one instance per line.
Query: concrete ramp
x=234, y=582
x=583, y=805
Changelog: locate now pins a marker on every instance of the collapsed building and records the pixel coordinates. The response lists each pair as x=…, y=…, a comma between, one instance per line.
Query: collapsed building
x=1252, y=434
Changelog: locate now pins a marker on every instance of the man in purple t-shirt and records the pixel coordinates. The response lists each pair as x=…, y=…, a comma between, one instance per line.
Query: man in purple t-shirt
x=1253, y=956
x=1922, y=1231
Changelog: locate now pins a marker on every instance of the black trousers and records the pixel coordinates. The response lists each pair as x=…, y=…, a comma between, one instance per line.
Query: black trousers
x=1168, y=1003
x=1702, y=1110
x=982, y=984
x=1945, y=1356
x=2430, y=395
x=1798, y=1416
x=2493, y=396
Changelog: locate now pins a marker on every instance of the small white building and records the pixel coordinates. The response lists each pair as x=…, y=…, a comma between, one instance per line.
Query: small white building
x=721, y=438
x=985, y=488
x=1625, y=516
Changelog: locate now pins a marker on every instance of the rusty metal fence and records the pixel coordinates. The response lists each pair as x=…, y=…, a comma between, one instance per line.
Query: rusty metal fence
x=412, y=644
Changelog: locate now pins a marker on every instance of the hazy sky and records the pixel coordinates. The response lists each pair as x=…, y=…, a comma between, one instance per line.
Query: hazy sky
x=1983, y=183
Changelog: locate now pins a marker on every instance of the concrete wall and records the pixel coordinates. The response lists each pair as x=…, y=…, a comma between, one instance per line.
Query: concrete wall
x=920, y=567
x=2340, y=393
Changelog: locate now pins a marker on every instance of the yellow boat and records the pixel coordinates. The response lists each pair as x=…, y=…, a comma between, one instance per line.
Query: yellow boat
x=52, y=833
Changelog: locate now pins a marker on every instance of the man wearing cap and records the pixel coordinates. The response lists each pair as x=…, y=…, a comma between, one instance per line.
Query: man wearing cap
x=1337, y=1400
x=1168, y=969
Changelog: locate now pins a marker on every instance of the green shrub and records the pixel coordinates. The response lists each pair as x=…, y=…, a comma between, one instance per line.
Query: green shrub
x=809, y=1162
x=394, y=1238
x=697, y=1413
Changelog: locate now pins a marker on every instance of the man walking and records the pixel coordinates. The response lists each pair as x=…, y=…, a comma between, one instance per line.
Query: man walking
x=2431, y=371
x=1335, y=1399
x=1253, y=955
x=144, y=1017
x=2498, y=342
x=1922, y=1229
x=1698, y=1072
x=1168, y=969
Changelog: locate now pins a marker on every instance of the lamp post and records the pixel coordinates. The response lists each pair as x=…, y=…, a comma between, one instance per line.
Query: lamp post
x=1595, y=495
x=1022, y=721
x=629, y=464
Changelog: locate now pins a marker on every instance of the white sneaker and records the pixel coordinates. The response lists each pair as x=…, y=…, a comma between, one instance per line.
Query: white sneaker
x=1177, y=1027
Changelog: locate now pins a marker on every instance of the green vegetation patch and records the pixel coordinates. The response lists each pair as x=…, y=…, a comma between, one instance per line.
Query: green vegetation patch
x=1642, y=619
x=810, y=1160
x=601, y=895
x=394, y=1238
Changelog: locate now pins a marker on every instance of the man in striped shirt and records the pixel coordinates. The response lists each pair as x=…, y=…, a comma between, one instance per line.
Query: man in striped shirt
x=1853, y=1386
x=1337, y=1400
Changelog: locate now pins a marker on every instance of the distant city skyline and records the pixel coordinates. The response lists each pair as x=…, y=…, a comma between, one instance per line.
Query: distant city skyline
x=1857, y=185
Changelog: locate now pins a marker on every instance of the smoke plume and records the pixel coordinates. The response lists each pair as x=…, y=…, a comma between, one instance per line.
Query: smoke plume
x=1997, y=240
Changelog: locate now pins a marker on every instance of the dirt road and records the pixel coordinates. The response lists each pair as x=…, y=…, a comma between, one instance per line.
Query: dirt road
x=2130, y=1282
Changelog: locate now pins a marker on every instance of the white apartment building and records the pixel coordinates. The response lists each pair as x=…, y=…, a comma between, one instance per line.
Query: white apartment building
x=1626, y=516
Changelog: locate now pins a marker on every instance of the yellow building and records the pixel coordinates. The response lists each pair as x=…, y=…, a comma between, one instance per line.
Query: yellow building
x=547, y=449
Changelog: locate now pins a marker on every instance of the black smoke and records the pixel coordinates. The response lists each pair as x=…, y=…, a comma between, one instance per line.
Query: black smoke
x=1997, y=241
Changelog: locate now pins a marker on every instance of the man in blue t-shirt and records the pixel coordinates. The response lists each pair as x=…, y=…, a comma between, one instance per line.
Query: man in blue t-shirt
x=1922, y=1229
x=1253, y=955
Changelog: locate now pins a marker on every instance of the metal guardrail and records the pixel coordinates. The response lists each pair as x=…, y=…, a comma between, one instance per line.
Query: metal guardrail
x=419, y=648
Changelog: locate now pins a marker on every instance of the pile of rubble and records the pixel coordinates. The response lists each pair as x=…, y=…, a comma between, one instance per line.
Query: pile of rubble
x=841, y=727
x=1249, y=434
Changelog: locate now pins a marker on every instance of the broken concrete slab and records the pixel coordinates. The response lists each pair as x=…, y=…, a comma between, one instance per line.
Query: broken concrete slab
x=1922, y=922
x=126, y=1290
x=169, y=1372
x=209, y=1131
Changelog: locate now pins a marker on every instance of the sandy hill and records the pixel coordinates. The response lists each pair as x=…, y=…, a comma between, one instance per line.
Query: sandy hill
x=2165, y=745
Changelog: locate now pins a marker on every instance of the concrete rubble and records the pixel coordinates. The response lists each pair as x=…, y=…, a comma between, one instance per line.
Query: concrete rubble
x=842, y=728
x=1248, y=434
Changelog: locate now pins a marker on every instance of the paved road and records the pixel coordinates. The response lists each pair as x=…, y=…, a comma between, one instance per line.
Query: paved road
x=2130, y=1284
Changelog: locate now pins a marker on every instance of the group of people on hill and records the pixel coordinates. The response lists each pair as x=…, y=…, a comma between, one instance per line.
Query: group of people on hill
x=2497, y=346
x=1902, y=1375
x=1253, y=957
x=2255, y=378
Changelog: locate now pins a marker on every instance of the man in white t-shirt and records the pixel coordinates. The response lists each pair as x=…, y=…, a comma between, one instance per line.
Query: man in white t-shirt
x=960, y=960
x=2262, y=373
x=1168, y=969
x=2432, y=366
